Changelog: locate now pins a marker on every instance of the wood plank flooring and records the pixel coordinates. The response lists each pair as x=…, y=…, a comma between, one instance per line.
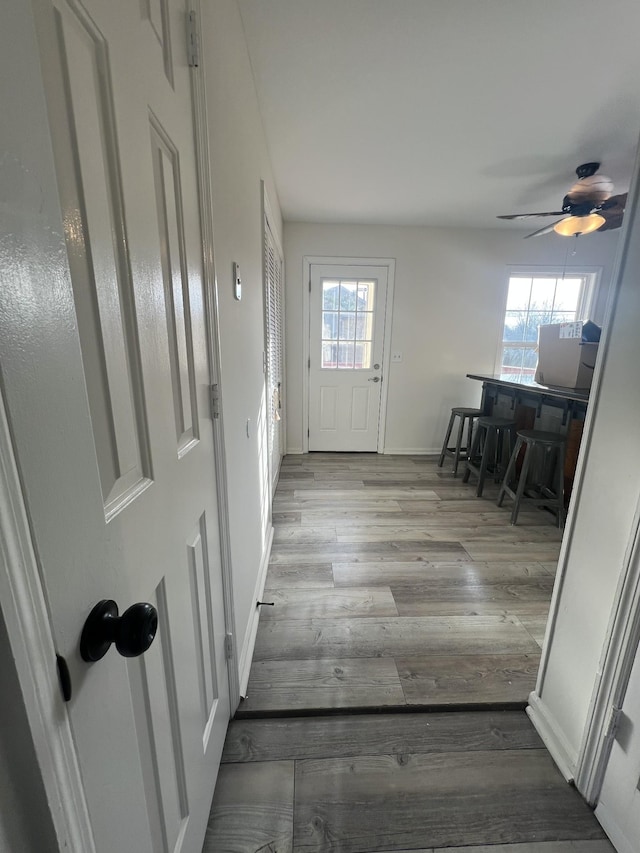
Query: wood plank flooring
x=395, y=587
x=471, y=782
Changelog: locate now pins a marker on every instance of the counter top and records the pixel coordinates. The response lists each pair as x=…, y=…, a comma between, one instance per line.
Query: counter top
x=527, y=383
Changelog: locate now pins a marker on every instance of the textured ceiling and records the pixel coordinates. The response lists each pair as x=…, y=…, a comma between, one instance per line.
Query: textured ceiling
x=442, y=112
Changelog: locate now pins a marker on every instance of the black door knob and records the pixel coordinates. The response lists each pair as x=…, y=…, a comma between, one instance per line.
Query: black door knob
x=133, y=632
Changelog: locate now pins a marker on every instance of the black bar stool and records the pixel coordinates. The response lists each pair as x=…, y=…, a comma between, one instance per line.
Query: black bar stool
x=458, y=452
x=488, y=448
x=547, y=445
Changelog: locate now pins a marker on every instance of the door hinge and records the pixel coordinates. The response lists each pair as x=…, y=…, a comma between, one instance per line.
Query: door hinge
x=613, y=723
x=228, y=646
x=309, y=363
x=307, y=433
x=193, y=48
x=215, y=400
x=309, y=285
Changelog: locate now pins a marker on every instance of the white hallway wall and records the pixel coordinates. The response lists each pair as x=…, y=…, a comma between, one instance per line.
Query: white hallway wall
x=239, y=160
x=450, y=291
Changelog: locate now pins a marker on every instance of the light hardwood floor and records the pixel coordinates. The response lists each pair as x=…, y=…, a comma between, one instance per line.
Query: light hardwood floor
x=395, y=587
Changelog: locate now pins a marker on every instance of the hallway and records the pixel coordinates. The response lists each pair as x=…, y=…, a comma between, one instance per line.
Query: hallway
x=395, y=589
x=394, y=586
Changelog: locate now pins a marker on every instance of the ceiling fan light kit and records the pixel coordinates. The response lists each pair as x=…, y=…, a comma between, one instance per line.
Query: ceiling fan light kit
x=576, y=225
x=588, y=205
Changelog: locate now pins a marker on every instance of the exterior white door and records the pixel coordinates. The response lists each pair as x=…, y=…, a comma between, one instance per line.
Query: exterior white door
x=106, y=374
x=346, y=350
x=618, y=808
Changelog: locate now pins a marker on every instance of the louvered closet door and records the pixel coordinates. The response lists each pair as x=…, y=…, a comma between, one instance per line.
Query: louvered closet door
x=275, y=352
x=131, y=513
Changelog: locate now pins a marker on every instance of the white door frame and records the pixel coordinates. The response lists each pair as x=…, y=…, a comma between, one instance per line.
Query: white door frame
x=26, y=615
x=307, y=263
x=22, y=597
x=623, y=631
x=620, y=649
x=203, y=161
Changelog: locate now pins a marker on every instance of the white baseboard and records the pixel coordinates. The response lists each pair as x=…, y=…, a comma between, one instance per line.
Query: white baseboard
x=412, y=451
x=248, y=645
x=388, y=451
x=552, y=737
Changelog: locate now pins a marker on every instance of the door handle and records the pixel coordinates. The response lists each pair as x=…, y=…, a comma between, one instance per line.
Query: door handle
x=375, y=379
x=133, y=632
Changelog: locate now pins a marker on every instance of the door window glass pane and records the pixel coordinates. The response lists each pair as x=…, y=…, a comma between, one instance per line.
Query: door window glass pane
x=364, y=327
x=348, y=290
x=330, y=325
x=365, y=295
x=347, y=326
x=329, y=354
x=330, y=290
x=345, y=354
x=347, y=318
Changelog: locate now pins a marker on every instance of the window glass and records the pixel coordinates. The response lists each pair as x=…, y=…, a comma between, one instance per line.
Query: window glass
x=330, y=325
x=532, y=302
x=345, y=354
x=348, y=292
x=347, y=324
x=519, y=294
x=330, y=290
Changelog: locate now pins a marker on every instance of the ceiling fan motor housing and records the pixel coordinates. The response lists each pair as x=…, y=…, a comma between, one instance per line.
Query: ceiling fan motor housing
x=589, y=187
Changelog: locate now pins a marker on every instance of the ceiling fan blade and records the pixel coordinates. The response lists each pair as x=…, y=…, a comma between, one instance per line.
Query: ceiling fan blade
x=617, y=202
x=613, y=212
x=531, y=215
x=546, y=230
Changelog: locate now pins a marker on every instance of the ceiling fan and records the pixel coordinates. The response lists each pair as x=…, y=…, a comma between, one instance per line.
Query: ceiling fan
x=588, y=206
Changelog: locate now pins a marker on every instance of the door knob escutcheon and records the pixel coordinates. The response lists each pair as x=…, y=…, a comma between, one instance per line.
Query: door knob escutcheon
x=133, y=632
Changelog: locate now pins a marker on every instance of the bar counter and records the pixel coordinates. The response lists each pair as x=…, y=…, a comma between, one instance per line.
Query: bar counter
x=535, y=406
x=526, y=392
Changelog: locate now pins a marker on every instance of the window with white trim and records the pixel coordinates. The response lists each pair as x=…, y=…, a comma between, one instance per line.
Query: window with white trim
x=534, y=300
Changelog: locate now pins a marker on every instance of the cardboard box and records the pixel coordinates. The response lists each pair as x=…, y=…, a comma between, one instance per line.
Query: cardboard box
x=563, y=359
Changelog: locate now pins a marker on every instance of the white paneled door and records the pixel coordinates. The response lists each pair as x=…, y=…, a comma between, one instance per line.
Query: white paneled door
x=346, y=351
x=107, y=374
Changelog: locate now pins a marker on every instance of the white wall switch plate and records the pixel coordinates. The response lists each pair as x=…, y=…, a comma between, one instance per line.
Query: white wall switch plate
x=396, y=356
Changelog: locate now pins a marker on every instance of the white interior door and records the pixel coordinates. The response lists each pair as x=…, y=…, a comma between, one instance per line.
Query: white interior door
x=347, y=308
x=619, y=805
x=274, y=305
x=105, y=369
